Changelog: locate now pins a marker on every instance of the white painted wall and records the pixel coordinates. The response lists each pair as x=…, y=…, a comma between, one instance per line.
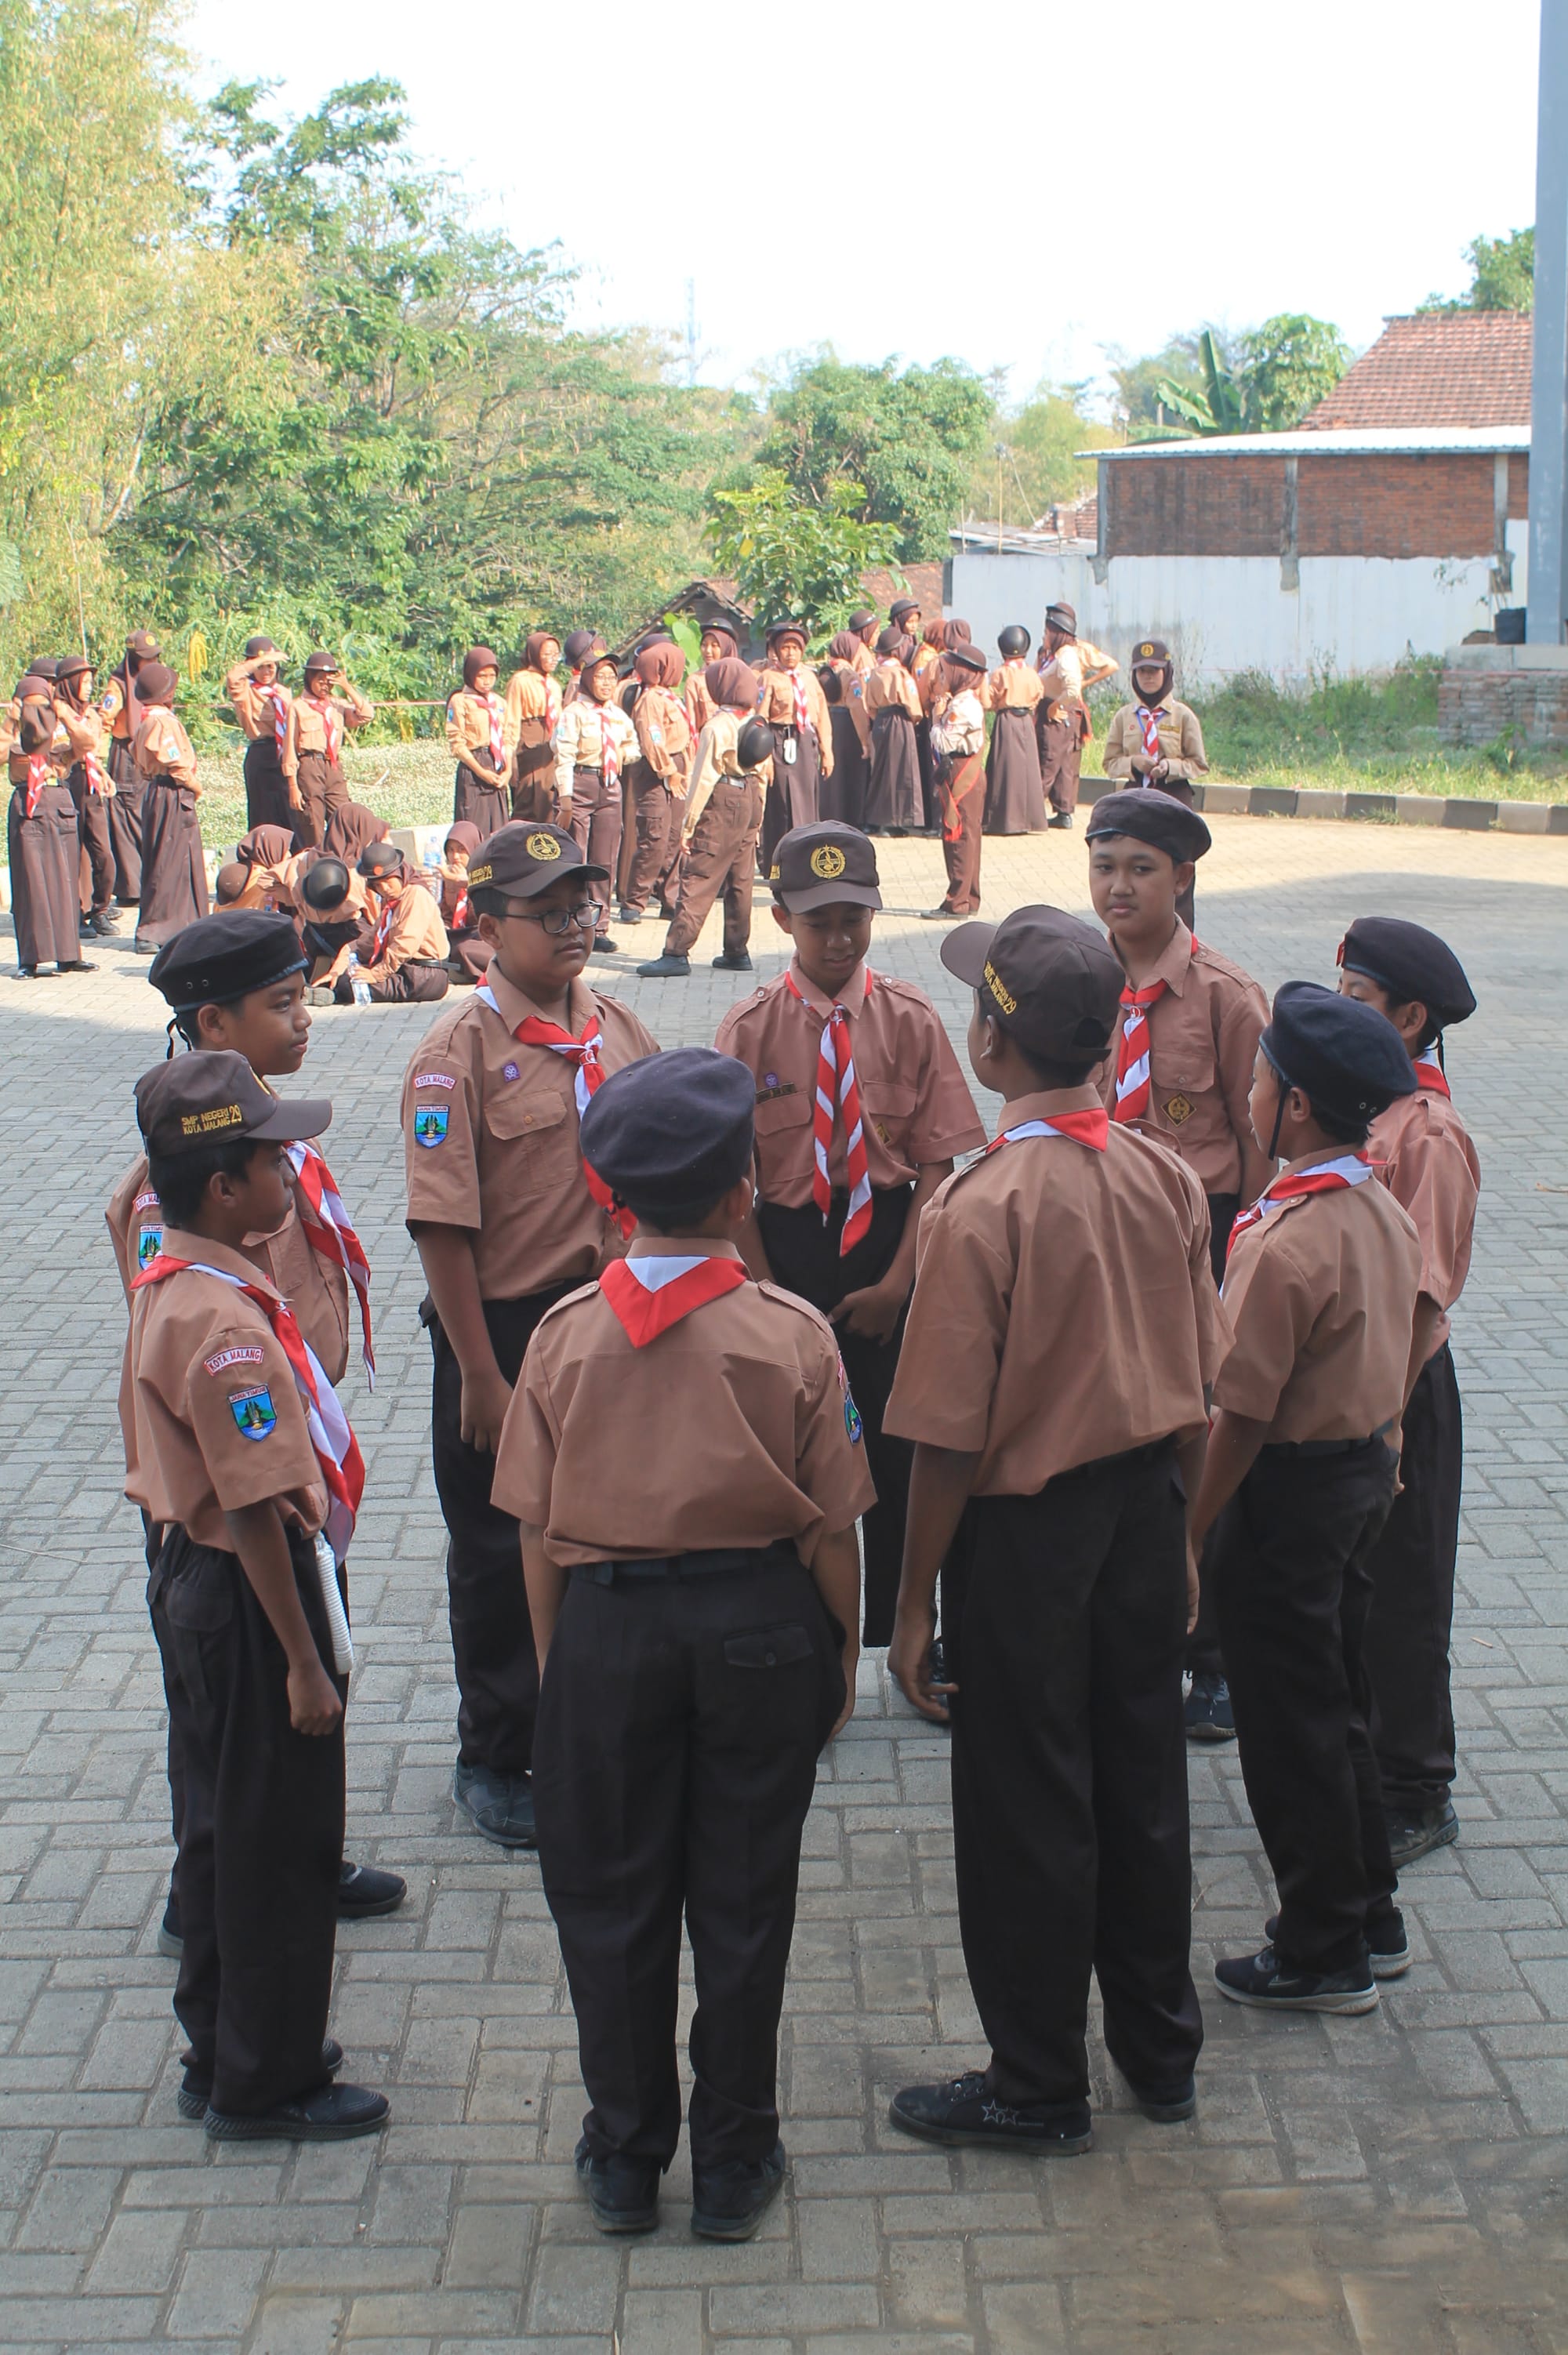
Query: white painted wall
x=1221, y=615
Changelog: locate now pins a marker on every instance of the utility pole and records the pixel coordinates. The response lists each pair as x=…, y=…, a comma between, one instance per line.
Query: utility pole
x=1548, y=590
x=690, y=332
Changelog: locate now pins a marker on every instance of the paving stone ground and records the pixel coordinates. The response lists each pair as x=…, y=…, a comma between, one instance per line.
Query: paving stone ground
x=1391, y=2184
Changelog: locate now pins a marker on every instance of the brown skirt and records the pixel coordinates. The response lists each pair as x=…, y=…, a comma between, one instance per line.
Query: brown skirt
x=173, y=873
x=894, y=797
x=843, y=795
x=1015, y=794
x=43, y=851
x=792, y=796
x=266, y=787
x=483, y=805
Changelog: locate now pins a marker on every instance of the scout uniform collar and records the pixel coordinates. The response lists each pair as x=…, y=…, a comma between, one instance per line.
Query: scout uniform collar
x=1173, y=961
x=513, y=1005
x=851, y=997
x=179, y=1244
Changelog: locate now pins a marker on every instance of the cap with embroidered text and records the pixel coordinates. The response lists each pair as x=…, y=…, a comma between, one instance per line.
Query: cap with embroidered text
x=519, y=861
x=1410, y=963
x=672, y=1129
x=221, y=958
x=1154, y=817
x=1052, y=984
x=1346, y=1057
x=820, y=866
x=216, y=1099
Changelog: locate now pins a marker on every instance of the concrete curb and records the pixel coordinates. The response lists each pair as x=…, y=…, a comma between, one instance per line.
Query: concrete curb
x=1398, y=809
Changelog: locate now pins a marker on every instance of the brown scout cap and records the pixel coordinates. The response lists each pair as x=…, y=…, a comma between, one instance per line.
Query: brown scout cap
x=820, y=866
x=216, y=1099
x=1052, y=984
x=519, y=861
x=1150, y=650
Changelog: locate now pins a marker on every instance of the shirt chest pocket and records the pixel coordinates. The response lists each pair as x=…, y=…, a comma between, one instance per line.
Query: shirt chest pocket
x=777, y=1115
x=533, y=1139
x=1184, y=1088
x=889, y=1107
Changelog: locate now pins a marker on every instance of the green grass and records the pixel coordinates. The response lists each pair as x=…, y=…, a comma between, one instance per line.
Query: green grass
x=417, y=789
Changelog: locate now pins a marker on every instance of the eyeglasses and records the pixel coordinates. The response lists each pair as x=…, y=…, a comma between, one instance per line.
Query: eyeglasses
x=558, y=921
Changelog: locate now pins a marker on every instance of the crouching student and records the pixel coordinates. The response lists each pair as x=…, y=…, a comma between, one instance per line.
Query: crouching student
x=1321, y=1289
x=405, y=960
x=241, y=1459
x=861, y=1108
x=1067, y=1592
x=721, y=821
x=333, y=925
x=458, y=915
x=694, y=1616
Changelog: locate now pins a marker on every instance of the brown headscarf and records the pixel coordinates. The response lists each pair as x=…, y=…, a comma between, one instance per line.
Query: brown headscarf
x=464, y=831
x=351, y=830
x=662, y=665
x=534, y=645
x=934, y=634
x=721, y=630
x=476, y=659
x=956, y=633
x=264, y=845
x=845, y=645
x=734, y=683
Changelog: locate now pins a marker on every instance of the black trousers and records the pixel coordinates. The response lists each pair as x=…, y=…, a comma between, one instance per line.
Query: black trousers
x=418, y=983
x=1292, y=1574
x=1064, y=1615
x=804, y=1256
x=679, y=1730
x=1412, y=1617
x=1203, y=1655
x=492, y=1634
x=261, y=1828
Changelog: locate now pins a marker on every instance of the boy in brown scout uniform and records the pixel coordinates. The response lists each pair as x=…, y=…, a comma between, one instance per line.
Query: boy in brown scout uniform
x=696, y=1608
x=313, y=744
x=721, y=821
x=506, y=1221
x=1069, y=667
x=1321, y=1289
x=1068, y=1591
x=861, y=1108
x=248, y=1476
x=1422, y=1151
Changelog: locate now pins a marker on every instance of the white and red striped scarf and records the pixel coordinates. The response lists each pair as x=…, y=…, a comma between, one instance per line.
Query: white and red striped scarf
x=492, y=706
x=802, y=707
x=277, y=696
x=585, y=1055
x=648, y=1295
x=1323, y=1177
x=609, y=752
x=1133, y=1056
x=1088, y=1129
x=1430, y=1074
x=1149, y=723
x=337, y=1449
x=382, y=932
x=332, y=722
x=460, y=910
x=330, y=1231
x=838, y=1093
x=40, y=773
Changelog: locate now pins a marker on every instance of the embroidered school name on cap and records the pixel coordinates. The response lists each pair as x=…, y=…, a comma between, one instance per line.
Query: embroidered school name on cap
x=249, y=1356
x=480, y=874
x=430, y=1123
x=216, y=1117
x=1000, y=990
x=255, y=1416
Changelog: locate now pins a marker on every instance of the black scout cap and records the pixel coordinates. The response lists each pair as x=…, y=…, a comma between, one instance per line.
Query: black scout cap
x=777, y=630
x=1052, y=984
x=1013, y=640
x=379, y=858
x=221, y=958
x=817, y=866
x=672, y=1129
x=1062, y=616
x=518, y=862
x=966, y=657
x=1409, y=962
x=579, y=644
x=326, y=884
x=216, y=1099
x=1151, y=650
x=1156, y=817
x=754, y=744
x=1345, y=1055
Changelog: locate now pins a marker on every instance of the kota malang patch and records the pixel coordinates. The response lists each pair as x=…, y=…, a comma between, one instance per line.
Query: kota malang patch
x=773, y=1087
x=430, y=1123
x=249, y=1355
x=149, y=1244
x=255, y=1416
x=1177, y=1109
x=434, y=1079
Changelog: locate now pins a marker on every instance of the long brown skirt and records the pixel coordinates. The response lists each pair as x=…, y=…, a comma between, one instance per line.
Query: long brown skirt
x=792, y=796
x=894, y=796
x=483, y=805
x=843, y=795
x=173, y=873
x=266, y=787
x=1015, y=794
x=42, y=850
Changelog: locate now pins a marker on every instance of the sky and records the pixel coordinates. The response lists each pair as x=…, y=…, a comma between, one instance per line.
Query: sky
x=1023, y=187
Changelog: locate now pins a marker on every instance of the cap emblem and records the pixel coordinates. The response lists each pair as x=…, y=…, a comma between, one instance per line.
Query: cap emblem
x=1146, y=648
x=828, y=861
x=544, y=848
x=1000, y=990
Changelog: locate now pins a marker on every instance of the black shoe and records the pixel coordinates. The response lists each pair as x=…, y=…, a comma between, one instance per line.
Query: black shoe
x=741, y=962
x=321, y=993
x=623, y=2194
x=326, y=2114
x=195, y=2096
x=940, y=916
x=628, y=915
x=604, y=946
x=1415, y=1832
x=1167, y=2105
x=1208, y=1712
x=1062, y=820
x=104, y=922
x=729, y=2202
x=668, y=968
x=364, y=1889
x=171, y=1937
x=75, y=965
x=499, y=1807
x=1387, y=1947
x=966, y=2114
x=1262, y=1981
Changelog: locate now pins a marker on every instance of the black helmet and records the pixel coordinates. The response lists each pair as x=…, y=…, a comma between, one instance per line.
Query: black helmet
x=326, y=884
x=754, y=744
x=1013, y=640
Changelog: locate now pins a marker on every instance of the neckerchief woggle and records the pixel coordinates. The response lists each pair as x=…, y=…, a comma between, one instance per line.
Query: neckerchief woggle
x=588, y=1077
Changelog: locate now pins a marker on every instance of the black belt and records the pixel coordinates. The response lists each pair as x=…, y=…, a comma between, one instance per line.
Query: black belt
x=1128, y=1455
x=732, y=1558
x=1327, y=1446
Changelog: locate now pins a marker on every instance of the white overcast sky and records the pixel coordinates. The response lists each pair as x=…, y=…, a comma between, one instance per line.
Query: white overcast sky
x=1020, y=186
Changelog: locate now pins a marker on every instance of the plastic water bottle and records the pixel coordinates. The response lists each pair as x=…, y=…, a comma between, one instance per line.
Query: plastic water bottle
x=361, y=988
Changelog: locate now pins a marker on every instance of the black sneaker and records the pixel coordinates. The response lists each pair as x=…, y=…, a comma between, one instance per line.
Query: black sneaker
x=1208, y=1712
x=1415, y=1832
x=940, y=916
x=1167, y=2105
x=628, y=915
x=1262, y=1981
x=171, y=1937
x=1387, y=1947
x=326, y=2114
x=729, y=2202
x=1062, y=822
x=105, y=922
x=965, y=2114
x=74, y=964
x=364, y=1889
x=739, y=963
x=604, y=946
x=623, y=2194
x=195, y=2096
x=668, y=968
x=499, y=1807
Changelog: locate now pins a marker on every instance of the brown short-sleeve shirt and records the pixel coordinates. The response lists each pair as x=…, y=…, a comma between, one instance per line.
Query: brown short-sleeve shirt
x=490, y=1139
x=212, y=1419
x=1422, y=1150
x=1044, y=1254
x=1203, y=1039
x=744, y=1436
x=915, y=1102
x=1321, y=1293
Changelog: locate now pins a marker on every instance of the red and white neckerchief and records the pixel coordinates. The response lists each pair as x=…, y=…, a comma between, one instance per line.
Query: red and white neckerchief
x=1149, y=722
x=382, y=932
x=609, y=752
x=277, y=696
x=1133, y=1055
x=332, y=722
x=93, y=772
x=801, y=709
x=838, y=1092
x=648, y=1295
x=1323, y=1177
x=492, y=706
x=460, y=910
x=40, y=773
x=1430, y=1074
x=1090, y=1128
x=330, y=1231
x=585, y=1056
x=337, y=1449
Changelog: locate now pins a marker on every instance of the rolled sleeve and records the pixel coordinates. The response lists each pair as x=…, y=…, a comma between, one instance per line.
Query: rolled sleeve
x=247, y=1420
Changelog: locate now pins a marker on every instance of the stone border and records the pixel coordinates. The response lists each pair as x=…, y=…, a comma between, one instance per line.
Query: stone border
x=1399, y=809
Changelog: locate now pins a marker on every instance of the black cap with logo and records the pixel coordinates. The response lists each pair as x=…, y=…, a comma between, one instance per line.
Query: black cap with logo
x=820, y=866
x=519, y=861
x=216, y=1099
x=1052, y=984
x=221, y=958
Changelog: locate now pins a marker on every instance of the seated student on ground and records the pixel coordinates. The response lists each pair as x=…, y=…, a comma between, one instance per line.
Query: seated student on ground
x=469, y=955
x=335, y=925
x=405, y=960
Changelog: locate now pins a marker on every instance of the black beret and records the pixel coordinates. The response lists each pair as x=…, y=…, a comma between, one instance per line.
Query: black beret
x=221, y=958
x=1013, y=640
x=1409, y=962
x=379, y=858
x=1345, y=1055
x=1156, y=817
x=672, y=1129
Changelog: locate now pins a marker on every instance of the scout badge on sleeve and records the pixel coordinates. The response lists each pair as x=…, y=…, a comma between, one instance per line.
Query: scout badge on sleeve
x=430, y=1123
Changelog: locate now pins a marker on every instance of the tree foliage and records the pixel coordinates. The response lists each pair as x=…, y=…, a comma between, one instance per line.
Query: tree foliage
x=1266, y=382
x=795, y=557
x=1503, y=275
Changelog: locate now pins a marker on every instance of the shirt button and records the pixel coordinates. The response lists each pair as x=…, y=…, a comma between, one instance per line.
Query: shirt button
x=771, y=1659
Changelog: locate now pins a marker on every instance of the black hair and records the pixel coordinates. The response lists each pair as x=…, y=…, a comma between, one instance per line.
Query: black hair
x=1054, y=1074
x=1343, y=1132
x=180, y=1179
x=677, y=1217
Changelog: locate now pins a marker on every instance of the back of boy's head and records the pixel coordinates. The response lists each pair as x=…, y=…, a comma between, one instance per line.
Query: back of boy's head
x=672, y=1135
x=1051, y=984
x=1345, y=1057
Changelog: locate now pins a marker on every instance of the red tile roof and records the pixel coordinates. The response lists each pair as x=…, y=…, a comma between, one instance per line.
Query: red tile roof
x=1436, y=369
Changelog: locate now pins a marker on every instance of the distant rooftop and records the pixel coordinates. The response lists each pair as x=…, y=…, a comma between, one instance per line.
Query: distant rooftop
x=1322, y=443
x=1436, y=369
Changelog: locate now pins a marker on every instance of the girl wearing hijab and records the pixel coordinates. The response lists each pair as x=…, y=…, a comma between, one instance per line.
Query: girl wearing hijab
x=794, y=705
x=893, y=804
x=958, y=748
x=527, y=730
x=174, y=872
x=469, y=952
x=594, y=745
x=580, y=644
x=260, y=702
x=42, y=840
x=658, y=780
x=351, y=830
x=476, y=735
x=851, y=725
x=92, y=790
x=1015, y=791
x=719, y=643
x=122, y=715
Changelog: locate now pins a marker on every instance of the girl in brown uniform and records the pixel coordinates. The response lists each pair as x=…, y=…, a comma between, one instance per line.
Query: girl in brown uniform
x=120, y=709
x=174, y=872
x=1015, y=790
x=260, y=702
x=91, y=789
x=794, y=705
x=476, y=733
x=532, y=717
x=658, y=780
x=41, y=843
x=893, y=802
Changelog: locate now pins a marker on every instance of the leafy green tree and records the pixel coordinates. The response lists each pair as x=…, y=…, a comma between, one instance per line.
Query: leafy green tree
x=794, y=556
x=907, y=439
x=1144, y=408
x=1286, y=366
x=1217, y=404
x=1503, y=275
x=1032, y=461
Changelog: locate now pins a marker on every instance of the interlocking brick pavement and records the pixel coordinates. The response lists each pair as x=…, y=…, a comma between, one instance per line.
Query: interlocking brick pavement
x=1391, y=2184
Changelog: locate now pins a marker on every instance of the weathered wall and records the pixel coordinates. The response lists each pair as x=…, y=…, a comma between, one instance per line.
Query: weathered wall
x=1477, y=705
x=1428, y=502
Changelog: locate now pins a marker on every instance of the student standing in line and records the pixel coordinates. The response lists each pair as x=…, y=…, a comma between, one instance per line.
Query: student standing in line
x=958, y=747
x=41, y=841
x=841, y=795
x=719, y=644
x=1069, y=667
x=893, y=804
x=174, y=870
x=576, y=648
x=92, y=790
x=122, y=715
x=1015, y=798
x=595, y=744
x=475, y=737
x=720, y=823
x=313, y=745
x=659, y=778
x=1156, y=739
x=532, y=715
x=260, y=702
x=793, y=705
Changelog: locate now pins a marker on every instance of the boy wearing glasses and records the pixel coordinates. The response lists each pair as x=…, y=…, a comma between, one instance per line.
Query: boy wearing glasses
x=506, y=1221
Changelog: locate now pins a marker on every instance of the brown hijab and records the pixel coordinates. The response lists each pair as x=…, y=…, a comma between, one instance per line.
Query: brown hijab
x=956, y=633
x=351, y=830
x=264, y=845
x=734, y=683
x=845, y=645
x=476, y=659
x=463, y=830
x=663, y=664
x=534, y=645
